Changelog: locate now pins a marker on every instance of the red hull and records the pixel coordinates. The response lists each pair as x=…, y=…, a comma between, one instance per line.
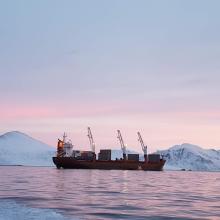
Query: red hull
x=71, y=163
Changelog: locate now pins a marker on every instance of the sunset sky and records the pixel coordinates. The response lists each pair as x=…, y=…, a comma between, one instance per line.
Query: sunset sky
x=147, y=65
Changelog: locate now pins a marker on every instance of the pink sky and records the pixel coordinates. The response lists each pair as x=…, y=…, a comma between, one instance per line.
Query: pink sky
x=159, y=129
x=143, y=66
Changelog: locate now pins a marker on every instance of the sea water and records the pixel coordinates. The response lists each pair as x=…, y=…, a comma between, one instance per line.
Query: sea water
x=51, y=194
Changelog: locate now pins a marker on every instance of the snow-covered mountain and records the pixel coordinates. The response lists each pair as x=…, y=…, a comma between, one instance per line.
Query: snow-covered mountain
x=191, y=157
x=17, y=148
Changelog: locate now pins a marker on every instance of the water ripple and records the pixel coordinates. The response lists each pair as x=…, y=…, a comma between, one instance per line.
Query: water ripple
x=91, y=194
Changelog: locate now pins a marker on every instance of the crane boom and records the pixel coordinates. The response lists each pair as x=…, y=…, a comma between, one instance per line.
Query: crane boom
x=123, y=147
x=144, y=147
x=91, y=141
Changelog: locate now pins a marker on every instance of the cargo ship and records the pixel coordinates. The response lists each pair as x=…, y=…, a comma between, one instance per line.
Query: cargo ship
x=67, y=158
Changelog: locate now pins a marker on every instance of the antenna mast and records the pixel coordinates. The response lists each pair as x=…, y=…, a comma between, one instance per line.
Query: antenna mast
x=64, y=137
x=123, y=147
x=91, y=141
x=144, y=147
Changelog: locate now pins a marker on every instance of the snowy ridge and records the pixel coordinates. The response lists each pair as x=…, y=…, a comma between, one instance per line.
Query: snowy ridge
x=191, y=157
x=17, y=148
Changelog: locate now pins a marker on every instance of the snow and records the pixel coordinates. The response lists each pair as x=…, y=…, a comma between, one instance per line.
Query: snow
x=17, y=148
x=9, y=210
x=191, y=157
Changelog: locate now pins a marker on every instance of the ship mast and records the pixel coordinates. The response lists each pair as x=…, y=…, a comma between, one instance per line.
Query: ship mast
x=123, y=147
x=144, y=147
x=91, y=141
x=64, y=137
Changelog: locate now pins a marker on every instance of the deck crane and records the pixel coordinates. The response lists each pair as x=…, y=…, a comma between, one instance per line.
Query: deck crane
x=91, y=141
x=123, y=147
x=144, y=147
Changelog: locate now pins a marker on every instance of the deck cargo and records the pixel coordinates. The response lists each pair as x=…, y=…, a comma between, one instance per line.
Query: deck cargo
x=104, y=154
x=154, y=157
x=134, y=157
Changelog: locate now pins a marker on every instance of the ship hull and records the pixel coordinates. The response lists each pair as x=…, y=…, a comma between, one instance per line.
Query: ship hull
x=71, y=163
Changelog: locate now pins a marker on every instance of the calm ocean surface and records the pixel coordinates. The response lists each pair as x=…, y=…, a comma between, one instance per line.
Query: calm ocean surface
x=48, y=193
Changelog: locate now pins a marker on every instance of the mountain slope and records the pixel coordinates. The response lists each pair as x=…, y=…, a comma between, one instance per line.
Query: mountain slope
x=191, y=157
x=17, y=148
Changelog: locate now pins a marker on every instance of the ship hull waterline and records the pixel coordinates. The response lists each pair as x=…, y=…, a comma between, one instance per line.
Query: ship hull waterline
x=71, y=163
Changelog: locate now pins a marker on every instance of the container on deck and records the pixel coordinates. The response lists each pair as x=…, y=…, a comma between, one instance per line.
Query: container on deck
x=105, y=154
x=134, y=157
x=153, y=157
x=85, y=155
